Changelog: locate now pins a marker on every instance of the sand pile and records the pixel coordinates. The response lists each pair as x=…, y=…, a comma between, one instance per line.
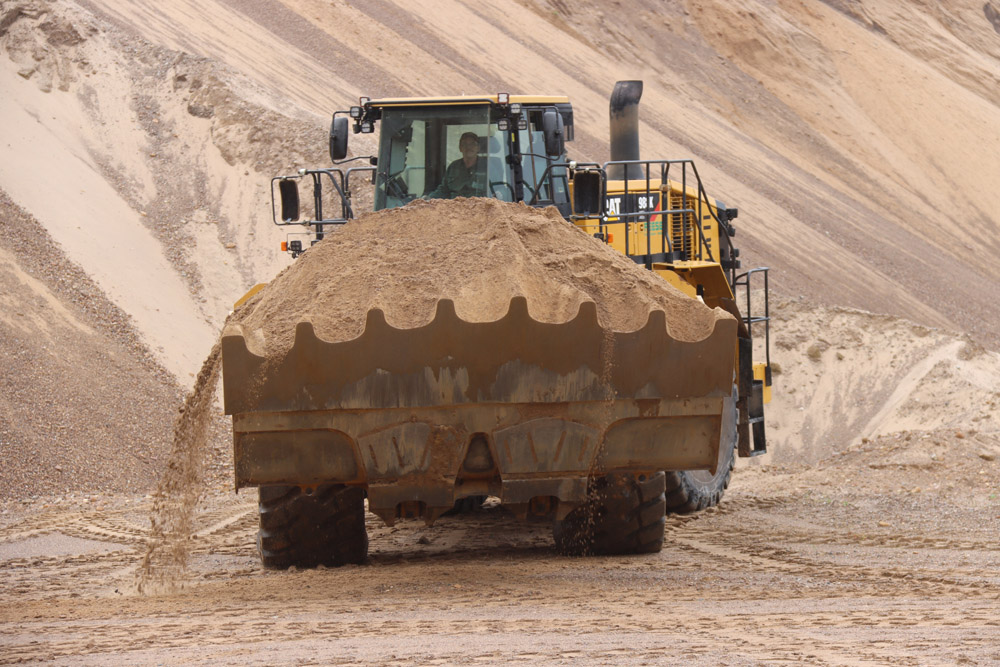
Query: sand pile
x=844, y=375
x=84, y=405
x=478, y=252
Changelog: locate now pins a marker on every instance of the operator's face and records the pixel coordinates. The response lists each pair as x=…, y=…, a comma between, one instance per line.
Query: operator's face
x=469, y=148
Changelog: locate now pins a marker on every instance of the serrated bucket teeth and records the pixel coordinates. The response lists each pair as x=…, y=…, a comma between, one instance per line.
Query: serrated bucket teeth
x=396, y=409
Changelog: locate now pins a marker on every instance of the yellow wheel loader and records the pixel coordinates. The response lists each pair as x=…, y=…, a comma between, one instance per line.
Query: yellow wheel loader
x=599, y=431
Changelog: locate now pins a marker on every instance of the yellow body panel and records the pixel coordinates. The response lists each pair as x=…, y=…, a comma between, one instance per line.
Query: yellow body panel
x=760, y=373
x=708, y=275
x=677, y=280
x=682, y=233
x=246, y=297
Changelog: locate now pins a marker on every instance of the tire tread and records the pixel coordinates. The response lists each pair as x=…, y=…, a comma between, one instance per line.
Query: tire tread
x=324, y=528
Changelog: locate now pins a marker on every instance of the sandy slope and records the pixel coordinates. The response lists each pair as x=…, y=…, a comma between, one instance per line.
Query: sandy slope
x=862, y=185
x=84, y=407
x=136, y=159
x=103, y=234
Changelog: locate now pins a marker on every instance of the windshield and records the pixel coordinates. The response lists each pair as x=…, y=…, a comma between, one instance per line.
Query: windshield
x=440, y=153
x=542, y=185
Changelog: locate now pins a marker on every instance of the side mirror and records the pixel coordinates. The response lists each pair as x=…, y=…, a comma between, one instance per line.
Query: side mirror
x=554, y=133
x=338, y=138
x=289, y=191
x=588, y=193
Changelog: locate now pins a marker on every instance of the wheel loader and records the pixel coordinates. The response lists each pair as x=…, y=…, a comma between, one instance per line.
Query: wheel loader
x=335, y=427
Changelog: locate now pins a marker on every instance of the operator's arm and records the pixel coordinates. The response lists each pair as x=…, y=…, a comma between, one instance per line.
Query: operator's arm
x=444, y=189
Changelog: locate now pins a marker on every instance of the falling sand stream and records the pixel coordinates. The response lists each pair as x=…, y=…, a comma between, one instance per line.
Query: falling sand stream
x=180, y=487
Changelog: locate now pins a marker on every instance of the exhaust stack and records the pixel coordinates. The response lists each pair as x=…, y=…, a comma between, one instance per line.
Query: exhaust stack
x=625, y=129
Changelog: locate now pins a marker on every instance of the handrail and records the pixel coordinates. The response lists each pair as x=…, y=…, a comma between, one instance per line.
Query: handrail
x=665, y=165
x=341, y=184
x=743, y=280
x=348, y=209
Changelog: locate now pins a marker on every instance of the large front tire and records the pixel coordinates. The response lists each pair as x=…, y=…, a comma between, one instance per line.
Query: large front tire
x=693, y=490
x=623, y=515
x=325, y=527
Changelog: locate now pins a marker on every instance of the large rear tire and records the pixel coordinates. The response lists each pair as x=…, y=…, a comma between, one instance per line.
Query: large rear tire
x=623, y=515
x=325, y=527
x=693, y=490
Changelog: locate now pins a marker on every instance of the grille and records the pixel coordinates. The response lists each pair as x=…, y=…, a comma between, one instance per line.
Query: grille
x=681, y=225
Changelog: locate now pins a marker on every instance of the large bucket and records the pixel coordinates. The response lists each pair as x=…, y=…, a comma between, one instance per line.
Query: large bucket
x=518, y=408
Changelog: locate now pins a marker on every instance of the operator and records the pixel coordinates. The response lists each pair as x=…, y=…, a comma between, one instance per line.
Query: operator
x=466, y=176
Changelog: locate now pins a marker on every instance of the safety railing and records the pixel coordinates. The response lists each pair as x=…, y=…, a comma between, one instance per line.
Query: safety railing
x=743, y=281
x=642, y=205
x=288, y=196
x=287, y=200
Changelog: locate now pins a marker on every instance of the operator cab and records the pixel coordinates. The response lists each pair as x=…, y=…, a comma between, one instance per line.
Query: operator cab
x=424, y=148
x=508, y=147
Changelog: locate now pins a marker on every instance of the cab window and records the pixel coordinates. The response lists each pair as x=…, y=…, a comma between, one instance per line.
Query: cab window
x=540, y=187
x=422, y=154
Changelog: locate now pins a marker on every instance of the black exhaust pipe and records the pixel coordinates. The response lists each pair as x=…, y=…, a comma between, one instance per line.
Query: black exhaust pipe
x=625, y=130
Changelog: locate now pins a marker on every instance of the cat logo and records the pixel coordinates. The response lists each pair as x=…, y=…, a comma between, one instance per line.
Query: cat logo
x=617, y=205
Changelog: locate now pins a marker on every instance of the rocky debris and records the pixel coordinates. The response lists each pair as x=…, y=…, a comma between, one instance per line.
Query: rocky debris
x=45, y=42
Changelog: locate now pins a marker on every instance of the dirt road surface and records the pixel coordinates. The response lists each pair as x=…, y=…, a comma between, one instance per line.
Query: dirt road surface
x=839, y=563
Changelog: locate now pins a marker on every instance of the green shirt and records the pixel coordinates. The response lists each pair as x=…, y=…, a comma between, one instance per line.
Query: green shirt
x=462, y=181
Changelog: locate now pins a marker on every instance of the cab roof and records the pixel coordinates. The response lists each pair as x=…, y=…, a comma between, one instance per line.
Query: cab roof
x=527, y=100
